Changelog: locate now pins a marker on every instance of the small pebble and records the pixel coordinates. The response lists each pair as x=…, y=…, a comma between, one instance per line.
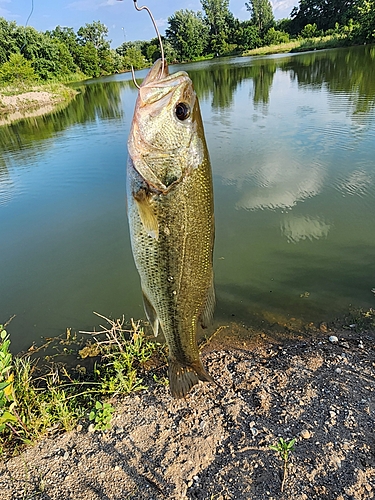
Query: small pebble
x=66, y=455
x=91, y=428
x=338, y=370
x=360, y=345
x=305, y=434
x=333, y=339
x=79, y=428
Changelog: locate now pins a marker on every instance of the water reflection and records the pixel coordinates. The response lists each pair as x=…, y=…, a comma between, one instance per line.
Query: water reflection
x=292, y=150
x=219, y=82
x=24, y=141
x=6, y=183
x=357, y=183
x=94, y=102
x=300, y=228
x=281, y=185
x=342, y=72
x=349, y=73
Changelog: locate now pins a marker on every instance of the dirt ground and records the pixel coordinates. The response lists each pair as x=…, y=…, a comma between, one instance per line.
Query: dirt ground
x=215, y=443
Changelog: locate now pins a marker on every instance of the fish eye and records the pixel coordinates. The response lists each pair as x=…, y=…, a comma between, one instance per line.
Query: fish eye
x=182, y=111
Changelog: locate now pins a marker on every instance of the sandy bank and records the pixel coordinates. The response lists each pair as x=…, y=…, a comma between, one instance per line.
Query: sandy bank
x=34, y=102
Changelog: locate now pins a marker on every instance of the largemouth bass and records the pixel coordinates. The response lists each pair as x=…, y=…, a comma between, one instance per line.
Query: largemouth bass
x=171, y=218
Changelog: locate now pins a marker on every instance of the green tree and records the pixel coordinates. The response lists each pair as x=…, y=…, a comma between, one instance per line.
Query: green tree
x=9, y=43
x=309, y=31
x=217, y=17
x=17, y=70
x=187, y=33
x=88, y=60
x=134, y=58
x=261, y=14
x=324, y=13
x=247, y=36
x=366, y=18
x=68, y=39
x=96, y=34
x=283, y=24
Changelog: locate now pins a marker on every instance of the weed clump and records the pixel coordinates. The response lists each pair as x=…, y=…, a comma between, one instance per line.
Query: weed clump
x=43, y=396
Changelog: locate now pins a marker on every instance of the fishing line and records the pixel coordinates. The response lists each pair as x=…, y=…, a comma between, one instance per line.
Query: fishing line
x=159, y=38
x=156, y=29
x=27, y=20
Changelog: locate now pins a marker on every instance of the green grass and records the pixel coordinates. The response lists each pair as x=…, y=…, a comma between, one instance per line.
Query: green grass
x=42, y=398
x=300, y=45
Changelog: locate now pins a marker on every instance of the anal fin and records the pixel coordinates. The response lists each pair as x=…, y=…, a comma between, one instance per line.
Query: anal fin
x=208, y=311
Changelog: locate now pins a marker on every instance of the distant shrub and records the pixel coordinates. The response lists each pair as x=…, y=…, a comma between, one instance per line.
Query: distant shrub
x=275, y=37
x=310, y=31
x=17, y=70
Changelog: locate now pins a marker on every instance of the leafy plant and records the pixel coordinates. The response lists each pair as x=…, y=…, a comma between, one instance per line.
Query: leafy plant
x=124, y=353
x=6, y=381
x=102, y=416
x=284, y=448
x=17, y=69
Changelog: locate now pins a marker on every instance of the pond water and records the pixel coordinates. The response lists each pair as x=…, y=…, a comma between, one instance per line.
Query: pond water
x=292, y=145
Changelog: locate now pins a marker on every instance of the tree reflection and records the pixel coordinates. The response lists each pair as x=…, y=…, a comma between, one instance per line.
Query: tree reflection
x=94, y=101
x=340, y=71
x=219, y=81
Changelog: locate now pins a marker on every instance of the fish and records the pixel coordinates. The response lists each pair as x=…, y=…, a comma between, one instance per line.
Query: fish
x=171, y=218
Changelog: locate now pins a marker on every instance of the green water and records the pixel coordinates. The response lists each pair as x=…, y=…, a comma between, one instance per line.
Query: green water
x=292, y=145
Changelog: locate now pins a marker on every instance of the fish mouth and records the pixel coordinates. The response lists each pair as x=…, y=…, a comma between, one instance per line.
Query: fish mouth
x=158, y=72
x=159, y=87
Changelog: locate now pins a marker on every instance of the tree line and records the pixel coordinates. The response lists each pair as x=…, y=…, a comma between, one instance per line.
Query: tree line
x=63, y=54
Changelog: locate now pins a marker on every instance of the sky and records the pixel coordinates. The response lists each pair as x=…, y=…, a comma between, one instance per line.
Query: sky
x=120, y=17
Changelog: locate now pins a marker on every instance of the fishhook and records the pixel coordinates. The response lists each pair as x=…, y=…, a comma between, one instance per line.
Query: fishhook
x=156, y=29
x=159, y=38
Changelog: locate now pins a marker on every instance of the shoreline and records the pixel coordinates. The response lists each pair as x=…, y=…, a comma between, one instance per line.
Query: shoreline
x=216, y=444
x=18, y=104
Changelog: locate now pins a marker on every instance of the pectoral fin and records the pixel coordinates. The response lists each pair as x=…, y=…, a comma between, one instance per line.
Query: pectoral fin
x=151, y=314
x=146, y=213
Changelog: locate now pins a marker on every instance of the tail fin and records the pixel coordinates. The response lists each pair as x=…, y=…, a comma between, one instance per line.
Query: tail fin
x=183, y=377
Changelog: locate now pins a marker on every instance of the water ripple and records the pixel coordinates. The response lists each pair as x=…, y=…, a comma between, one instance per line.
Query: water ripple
x=359, y=182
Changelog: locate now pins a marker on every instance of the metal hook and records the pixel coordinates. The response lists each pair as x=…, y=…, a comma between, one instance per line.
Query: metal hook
x=134, y=80
x=157, y=32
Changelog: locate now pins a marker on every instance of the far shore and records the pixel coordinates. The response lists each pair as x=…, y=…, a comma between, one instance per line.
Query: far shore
x=19, y=103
